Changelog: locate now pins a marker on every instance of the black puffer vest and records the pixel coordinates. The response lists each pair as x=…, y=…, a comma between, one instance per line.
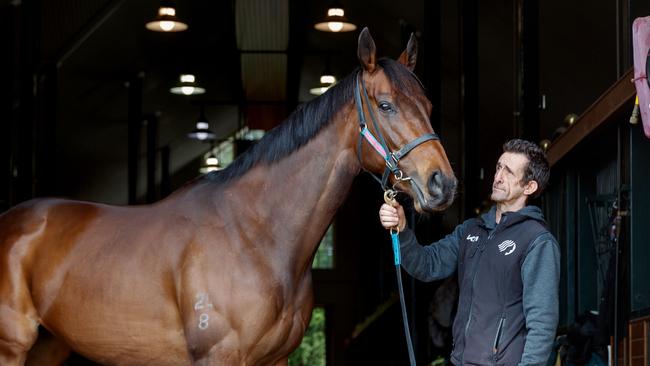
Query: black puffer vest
x=489, y=328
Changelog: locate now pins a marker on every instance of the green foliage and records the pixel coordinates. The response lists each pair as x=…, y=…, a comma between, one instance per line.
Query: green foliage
x=324, y=258
x=311, y=351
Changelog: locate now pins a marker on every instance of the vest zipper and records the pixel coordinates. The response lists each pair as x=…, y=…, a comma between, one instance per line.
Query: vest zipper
x=495, y=346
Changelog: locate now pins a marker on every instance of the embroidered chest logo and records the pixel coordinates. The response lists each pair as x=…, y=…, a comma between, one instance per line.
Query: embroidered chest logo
x=507, y=246
x=471, y=238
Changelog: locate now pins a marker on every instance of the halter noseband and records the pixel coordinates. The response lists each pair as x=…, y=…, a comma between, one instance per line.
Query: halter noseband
x=392, y=158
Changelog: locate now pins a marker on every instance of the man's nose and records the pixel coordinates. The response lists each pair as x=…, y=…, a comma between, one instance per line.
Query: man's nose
x=497, y=176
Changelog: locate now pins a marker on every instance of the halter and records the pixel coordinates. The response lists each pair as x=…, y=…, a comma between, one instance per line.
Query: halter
x=392, y=158
x=392, y=161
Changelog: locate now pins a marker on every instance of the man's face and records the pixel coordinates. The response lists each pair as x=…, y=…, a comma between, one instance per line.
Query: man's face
x=508, y=177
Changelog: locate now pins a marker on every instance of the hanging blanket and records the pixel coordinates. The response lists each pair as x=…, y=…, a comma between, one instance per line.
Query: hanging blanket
x=641, y=47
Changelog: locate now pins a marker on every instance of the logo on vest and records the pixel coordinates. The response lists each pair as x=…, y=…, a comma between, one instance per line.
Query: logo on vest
x=471, y=238
x=508, y=245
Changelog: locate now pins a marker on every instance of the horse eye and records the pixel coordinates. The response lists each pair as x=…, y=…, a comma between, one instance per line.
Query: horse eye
x=386, y=107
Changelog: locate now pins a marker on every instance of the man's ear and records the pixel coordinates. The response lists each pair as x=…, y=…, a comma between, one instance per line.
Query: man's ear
x=530, y=187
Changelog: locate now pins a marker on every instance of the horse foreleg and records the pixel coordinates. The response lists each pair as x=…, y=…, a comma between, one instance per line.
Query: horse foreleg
x=47, y=351
x=17, y=334
x=18, y=317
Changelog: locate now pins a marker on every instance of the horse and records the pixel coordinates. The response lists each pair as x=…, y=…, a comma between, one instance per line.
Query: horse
x=219, y=272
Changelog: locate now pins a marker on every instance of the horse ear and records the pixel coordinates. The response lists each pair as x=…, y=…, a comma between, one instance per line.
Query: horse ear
x=410, y=54
x=366, y=51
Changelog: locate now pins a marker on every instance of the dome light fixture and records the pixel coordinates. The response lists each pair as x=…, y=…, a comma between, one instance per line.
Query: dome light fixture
x=202, y=130
x=210, y=163
x=326, y=82
x=166, y=20
x=187, y=86
x=335, y=21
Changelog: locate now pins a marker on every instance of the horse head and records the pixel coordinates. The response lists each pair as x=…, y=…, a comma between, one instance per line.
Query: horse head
x=393, y=113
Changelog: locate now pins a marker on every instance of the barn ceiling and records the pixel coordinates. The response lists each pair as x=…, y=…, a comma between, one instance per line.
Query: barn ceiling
x=257, y=60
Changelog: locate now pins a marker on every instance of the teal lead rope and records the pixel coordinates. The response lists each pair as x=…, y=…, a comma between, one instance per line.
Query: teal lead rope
x=394, y=235
x=389, y=197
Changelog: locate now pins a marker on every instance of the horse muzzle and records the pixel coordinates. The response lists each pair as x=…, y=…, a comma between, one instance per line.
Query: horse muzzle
x=440, y=192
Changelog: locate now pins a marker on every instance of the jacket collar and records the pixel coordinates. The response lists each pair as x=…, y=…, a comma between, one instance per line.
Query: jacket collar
x=489, y=219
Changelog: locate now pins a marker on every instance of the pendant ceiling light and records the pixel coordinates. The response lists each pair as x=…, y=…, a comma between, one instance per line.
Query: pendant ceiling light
x=202, y=130
x=335, y=21
x=166, y=20
x=187, y=86
x=326, y=82
x=210, y=163
x=327, y=79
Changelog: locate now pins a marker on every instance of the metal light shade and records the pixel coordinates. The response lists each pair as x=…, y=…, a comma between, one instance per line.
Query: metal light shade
x=166, y=20
x=210, y=163
x=187, y=86
x=327, y=78
x=202, y=132
x=326, y=82
x=318, y=90
x=335, y=21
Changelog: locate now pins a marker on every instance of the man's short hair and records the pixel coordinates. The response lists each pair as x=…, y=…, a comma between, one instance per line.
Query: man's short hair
x=537, y=168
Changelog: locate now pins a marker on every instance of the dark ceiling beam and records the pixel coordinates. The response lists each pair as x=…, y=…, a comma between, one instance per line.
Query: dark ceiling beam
x=86, y=31
x=613, y=103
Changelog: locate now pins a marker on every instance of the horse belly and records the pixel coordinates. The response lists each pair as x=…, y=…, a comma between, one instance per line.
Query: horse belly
x=120, y=335
x=117, y=317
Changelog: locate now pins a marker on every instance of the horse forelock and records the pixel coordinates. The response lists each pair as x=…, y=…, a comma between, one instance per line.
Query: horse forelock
x=308, y=120
x=400, y=77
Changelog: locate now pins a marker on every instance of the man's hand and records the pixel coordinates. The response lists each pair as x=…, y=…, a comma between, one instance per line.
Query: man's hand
x=392, y=216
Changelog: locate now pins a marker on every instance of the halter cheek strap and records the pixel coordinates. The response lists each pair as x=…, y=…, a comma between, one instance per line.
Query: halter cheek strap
x=379, y=144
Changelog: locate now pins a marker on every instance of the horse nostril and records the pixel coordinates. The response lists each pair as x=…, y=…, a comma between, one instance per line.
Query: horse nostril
x=435, y=182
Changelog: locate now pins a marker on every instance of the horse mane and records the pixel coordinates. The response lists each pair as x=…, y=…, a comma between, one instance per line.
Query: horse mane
x=307, y=121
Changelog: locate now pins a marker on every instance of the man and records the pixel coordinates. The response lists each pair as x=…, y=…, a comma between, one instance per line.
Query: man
x=508, y=267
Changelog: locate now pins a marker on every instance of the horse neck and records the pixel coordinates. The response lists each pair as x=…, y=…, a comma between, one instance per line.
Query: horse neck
x=291, y=202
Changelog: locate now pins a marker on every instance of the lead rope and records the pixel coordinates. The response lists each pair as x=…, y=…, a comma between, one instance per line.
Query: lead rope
x=389, y=198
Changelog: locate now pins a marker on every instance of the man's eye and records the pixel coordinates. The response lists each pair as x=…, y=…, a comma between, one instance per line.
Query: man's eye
x=386, y=107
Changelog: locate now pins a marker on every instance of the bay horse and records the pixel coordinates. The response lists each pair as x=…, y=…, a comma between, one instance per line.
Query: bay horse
x=219, y=272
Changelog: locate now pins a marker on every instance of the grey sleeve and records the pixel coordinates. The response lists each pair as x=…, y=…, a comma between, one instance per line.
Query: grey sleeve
x=540, y=274
x=432, y=262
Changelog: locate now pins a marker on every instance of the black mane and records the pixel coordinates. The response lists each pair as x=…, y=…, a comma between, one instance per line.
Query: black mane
x=307, y=121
